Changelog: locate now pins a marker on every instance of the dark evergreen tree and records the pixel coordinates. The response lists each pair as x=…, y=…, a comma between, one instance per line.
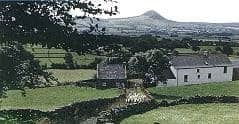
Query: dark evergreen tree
x=227, y=50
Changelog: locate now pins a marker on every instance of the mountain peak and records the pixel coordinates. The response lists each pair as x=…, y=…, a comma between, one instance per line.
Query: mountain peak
x=154, y=15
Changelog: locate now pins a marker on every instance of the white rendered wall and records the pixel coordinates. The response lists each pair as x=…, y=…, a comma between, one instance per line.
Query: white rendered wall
x=217, y=75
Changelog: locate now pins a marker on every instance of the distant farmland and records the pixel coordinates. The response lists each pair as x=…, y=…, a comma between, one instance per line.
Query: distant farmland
x=56, y=56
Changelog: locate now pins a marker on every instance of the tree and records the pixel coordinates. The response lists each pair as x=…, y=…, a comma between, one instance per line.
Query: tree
x=19, y=69
x=158, y=62
x=219, y=49
x=195, y=48
x=150, y=65
x=122, y=53
x=48, y=22
x=137, y=65
x=227, y=50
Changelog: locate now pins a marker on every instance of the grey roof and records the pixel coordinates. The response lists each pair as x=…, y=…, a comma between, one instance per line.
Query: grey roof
x=199, y=60
x=111, y=71
x=235, y=64
x=169, y=74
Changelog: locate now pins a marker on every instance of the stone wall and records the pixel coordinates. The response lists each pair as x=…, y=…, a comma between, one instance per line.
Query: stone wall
x=115, y=115
x=74, y=113
x=120, y=113
x=80, y=111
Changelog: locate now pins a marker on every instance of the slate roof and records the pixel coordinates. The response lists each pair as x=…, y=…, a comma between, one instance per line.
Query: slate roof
x=111, y=71
x=169, y=74
x=235, y=64
x=200, y=60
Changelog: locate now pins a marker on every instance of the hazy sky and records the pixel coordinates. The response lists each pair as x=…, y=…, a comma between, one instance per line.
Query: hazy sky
x=184, y=10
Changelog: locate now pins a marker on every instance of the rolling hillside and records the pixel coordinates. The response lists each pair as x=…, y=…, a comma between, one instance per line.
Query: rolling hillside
x=152, y=22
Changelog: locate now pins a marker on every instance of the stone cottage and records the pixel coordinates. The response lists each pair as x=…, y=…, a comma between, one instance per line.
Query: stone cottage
x=111, y=75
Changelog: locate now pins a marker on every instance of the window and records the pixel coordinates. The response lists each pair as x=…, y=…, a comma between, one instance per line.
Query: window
x=199, y=76
x=185, y=78
x=225, y=70
x=198, y=70
x=209, y=76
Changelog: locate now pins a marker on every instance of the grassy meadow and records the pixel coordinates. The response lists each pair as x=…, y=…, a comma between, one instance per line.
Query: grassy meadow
x=214, y=89
x=184, y=50
x=66, y=76
x=189, y=114
x=46, y=99
x=56, y=56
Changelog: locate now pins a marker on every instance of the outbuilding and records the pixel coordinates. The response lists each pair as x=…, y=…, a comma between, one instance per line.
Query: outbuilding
x=111, y=75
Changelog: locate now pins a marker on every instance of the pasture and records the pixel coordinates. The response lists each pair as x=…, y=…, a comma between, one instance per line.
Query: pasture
x=188, y=114
x=213, y=89
x=47, y=99
x=67, y=76
x=56, y=56
x=184, y=50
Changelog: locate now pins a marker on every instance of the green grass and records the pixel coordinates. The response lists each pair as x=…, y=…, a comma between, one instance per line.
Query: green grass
x=50, y=98
x=215, y=89
x=189, y=114
x=184, y=50
x=6, y=121
x=65, y=76
x=81, y=60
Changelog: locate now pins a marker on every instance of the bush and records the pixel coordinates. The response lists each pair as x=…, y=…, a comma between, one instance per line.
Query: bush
x=58, y=66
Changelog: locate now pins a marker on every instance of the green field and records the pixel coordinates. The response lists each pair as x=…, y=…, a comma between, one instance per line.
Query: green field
x=56, y=56
x=184, y=50
x=189, y=114
x=215, y=89
x=50, y=98
x=66, y=76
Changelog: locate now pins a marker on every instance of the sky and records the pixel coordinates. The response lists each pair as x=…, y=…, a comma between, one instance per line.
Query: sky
x=183, y=10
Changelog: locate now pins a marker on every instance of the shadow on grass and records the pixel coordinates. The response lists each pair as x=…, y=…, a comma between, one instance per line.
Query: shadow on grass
x=163, y=97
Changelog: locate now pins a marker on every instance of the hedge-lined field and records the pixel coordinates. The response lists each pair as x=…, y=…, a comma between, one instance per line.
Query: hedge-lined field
x=66, y=76
x=50, y=98
x=56, y=56
x=214, y=89
x=189, y=114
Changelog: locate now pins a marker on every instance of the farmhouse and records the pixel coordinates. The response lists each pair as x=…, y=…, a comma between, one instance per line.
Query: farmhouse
x=111, y=75
x=199, y=68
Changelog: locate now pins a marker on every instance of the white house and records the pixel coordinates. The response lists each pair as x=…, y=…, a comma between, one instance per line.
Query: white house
x=190, y=69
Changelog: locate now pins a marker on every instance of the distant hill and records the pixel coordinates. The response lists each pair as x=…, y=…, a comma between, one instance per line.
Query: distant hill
x=152, y=22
